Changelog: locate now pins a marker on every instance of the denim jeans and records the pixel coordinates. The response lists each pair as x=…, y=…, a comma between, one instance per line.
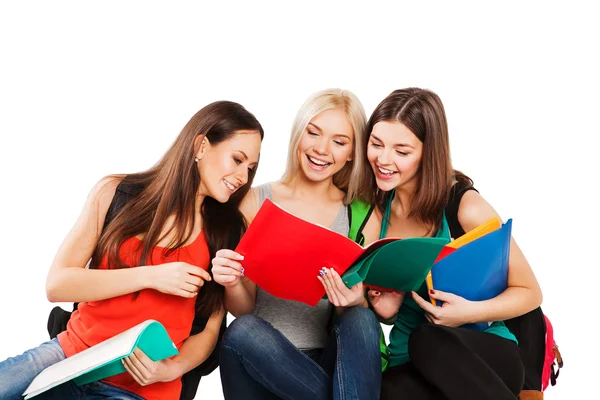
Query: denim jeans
x=16, y=373
x=258, y=362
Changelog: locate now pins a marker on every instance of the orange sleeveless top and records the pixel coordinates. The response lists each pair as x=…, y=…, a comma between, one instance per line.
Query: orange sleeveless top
x=96, y=321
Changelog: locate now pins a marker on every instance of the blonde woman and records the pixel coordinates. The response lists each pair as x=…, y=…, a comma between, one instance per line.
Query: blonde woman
x=285, y=349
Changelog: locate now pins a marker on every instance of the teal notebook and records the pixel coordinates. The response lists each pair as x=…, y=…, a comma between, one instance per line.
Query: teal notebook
x=399, y=265
x=104, y=359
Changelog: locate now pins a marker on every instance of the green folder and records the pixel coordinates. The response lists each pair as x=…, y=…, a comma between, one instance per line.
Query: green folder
x=153, y=341
x=104, y=359
x=399, y=265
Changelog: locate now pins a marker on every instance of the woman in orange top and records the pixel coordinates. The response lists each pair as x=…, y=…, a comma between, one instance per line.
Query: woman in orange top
x=151, y=260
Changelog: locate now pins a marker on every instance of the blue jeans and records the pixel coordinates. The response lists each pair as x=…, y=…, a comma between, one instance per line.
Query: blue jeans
x=258, y=362
x=16, y=373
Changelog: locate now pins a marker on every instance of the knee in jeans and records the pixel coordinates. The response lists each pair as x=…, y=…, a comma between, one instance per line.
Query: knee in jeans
x=363, y=317
x=248, y=332
x=241, y=329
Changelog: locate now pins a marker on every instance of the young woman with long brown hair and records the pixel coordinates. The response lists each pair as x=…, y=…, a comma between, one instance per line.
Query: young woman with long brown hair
x=419, y=194
x=151, y=261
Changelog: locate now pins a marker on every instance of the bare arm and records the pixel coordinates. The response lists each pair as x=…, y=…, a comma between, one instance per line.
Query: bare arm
x=194, y=351
x=240, y=292
x=68, y=279
x=523, y=293
x=241, y=298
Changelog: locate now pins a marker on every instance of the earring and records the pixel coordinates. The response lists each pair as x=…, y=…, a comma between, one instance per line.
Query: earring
x=196, y=159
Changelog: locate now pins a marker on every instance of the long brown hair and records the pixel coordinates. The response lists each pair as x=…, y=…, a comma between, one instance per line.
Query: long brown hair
x=422, y=112
x=170, y=188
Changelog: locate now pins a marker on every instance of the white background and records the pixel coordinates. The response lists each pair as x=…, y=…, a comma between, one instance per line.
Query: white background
x=92, y=89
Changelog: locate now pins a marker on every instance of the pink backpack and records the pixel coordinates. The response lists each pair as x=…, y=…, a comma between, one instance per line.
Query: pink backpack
x=552, y=359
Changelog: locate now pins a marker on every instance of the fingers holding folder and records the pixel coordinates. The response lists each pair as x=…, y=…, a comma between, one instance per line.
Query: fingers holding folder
x=227, y=268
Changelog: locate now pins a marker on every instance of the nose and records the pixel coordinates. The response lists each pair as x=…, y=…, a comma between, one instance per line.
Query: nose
x=242, y=176
x=321, y=146
x=384, y=157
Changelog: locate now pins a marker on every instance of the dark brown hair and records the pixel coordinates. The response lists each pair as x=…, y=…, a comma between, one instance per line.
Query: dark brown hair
x=422, y=112
x=170, y=188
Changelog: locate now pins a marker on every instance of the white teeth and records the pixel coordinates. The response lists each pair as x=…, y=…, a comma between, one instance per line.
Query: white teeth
x=386, y=171
x=318, y=162
x=229, y=185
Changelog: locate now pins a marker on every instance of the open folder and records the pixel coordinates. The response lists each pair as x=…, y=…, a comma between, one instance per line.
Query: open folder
x=104, y=359
x=477, y=269
x=283, y=255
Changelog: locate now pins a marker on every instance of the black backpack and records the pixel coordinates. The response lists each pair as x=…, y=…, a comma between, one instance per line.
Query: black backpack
x=58, y=318
x=530, y=329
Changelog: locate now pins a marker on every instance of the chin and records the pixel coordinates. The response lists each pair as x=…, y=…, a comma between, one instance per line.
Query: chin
x=314, y=176
x=386, y=186
x=220, y=197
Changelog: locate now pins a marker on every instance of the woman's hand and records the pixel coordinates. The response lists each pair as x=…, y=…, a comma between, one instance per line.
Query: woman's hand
x=146, y=372
x=386, y=304
x=177, y=278
x=226, y=268
x=455, y=310
x=338, y=293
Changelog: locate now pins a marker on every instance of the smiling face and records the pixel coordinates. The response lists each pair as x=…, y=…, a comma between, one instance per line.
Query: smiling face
x=326, y=145
x=394, y=153
x=224, y=167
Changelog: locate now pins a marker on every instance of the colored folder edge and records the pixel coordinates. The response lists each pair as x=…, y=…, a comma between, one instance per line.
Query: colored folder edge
x=399, y=265
x=153, y=340
x=487, y=227
x=478, y=270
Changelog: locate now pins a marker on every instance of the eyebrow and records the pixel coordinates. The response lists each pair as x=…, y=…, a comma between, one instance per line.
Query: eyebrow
x=396, y=145
x=244, y=154
x=320, y=130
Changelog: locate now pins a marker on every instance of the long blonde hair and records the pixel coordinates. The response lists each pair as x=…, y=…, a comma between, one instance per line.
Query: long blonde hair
x=351, y=177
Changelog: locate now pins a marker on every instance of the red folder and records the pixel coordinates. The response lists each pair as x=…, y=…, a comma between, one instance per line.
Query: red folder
x=283, y=254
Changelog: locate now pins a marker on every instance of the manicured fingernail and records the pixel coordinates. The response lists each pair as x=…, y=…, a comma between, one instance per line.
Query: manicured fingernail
x=321, y=273
x=432, y=291
x=241, y=257
x=242, y=270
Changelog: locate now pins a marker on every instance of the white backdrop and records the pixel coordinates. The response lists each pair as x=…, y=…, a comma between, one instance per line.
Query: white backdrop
x=92, y=89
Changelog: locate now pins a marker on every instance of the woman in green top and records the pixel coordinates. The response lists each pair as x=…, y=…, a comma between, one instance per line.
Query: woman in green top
x=419, y=194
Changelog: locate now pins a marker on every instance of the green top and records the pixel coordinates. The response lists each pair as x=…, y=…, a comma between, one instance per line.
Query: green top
x=411, y=315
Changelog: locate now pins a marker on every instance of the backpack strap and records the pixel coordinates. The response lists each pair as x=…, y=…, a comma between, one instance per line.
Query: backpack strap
x=456, y=194
x=58, y=318
x=123, y=194
x=530, y=328
x=359, y=212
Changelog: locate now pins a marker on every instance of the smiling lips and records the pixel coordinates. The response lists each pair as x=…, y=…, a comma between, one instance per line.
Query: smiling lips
x=317, y=164
x=231, y=187
x=385, y=174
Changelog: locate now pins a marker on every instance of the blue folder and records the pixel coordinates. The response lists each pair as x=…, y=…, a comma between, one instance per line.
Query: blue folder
x=476, y=271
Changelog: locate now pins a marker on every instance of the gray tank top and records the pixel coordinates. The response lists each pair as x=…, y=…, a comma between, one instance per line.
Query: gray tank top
x=304, y=326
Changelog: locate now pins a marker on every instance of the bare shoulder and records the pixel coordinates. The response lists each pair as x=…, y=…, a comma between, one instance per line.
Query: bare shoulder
x=474, y=210
x=101, y=196
x=280, y=190
x=104, y=190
